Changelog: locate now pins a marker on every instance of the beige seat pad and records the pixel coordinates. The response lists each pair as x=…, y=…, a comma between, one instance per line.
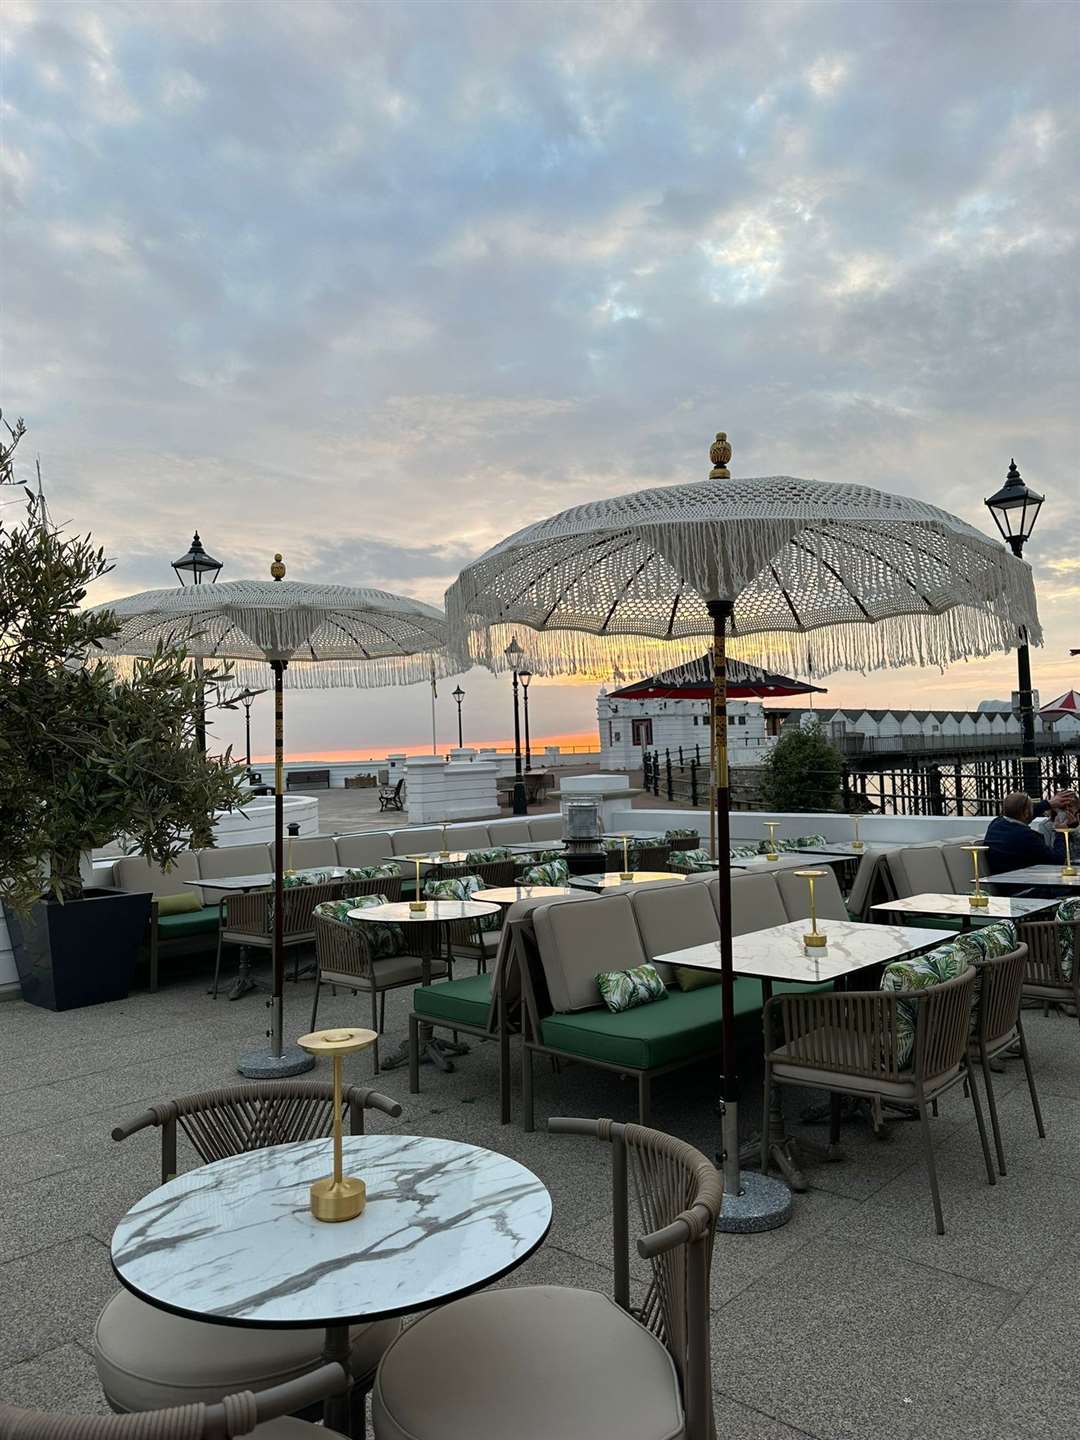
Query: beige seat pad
x=533, y=1363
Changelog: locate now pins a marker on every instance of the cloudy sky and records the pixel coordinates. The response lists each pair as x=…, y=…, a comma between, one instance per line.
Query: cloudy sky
x=375, y=284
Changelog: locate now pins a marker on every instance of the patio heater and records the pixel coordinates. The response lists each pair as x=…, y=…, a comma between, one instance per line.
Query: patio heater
x=514, y=653
x=1015, y=508
x=197, y=563
x=459, y=694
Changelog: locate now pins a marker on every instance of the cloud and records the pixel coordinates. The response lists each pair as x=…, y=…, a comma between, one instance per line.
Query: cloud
x=377, y=285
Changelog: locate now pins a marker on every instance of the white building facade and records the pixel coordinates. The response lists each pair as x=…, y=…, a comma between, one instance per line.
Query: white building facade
x=630, y=726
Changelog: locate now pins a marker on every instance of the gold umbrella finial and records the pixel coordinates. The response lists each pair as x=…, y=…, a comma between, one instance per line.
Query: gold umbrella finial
x=277, y=569
x=720, y=454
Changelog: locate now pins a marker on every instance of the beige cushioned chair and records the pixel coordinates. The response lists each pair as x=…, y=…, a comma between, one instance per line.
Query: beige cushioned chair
x=306, y=852
x=920, y=870
x=367, y=849
x=148, y=1359
x=795, y=895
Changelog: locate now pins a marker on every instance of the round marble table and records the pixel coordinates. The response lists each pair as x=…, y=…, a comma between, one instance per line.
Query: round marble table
x=235, y=1242
x=435, y=913
x=613, y=878
x=511, y=894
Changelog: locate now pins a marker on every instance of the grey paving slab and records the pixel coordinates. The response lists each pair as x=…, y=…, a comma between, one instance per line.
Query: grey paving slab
x=741, y=1422
x=53, y=1297
x=62, y=1381
x=1041, y=1336
x=849, y=1344
x=992, y=1400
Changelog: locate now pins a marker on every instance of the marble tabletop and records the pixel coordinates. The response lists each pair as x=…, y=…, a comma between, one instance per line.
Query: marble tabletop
x=265, y=881
x=997, y=906
x=235, y=1241
x=511, y=894
x=778, y=953
x=614, y=877
x=400, y=912
x=1035, y=875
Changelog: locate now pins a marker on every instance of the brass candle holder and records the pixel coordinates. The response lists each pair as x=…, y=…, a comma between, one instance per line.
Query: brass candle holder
x=626, y=873
x=1068, y=868
x=771, y=853
x=417, y=904
x=444, y=853
x=856, y=843
x=814, y=939
x=978, y=899
x=337, y=1197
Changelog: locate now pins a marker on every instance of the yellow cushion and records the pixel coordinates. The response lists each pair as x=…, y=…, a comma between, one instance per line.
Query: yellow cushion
x=178, y=904
x=690, y=979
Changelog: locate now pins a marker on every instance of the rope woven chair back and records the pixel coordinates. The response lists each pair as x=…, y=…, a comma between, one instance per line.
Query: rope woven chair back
x=1001, y=982
x=653, y=857
x=1044, y=957
x=943, y=1025
x=492, y=873
x=678, y=1193
x=301, y=901
x=388, y=886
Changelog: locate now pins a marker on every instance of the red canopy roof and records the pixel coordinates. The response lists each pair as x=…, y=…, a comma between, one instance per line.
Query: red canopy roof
x=1067, y=704
x=694, y=682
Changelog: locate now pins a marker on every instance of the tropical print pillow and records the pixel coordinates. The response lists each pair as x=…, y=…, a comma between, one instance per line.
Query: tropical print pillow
x=743, y=852
x=488, y=856
x=625, y=989
x=919, y=973
x=673, y=836
x=794, y=842
x=382, y=939
x=615, y=847
x=993, y=940
x=294, y=878
x=688, y=861
x=461, y=887
x=388, y=870
x=1067, y=916
x=550, y=872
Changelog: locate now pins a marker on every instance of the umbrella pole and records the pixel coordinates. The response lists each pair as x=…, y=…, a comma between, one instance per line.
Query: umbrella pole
x=751, y=1202
x=278, y=1061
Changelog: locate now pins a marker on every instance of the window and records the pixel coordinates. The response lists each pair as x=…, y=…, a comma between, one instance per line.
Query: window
x=641, y=732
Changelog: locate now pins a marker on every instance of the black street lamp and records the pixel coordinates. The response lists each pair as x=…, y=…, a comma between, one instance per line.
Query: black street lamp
x=1015, y=509
x=246, y=697
x=198, y=563
x=459, y=695
x=525, y=676
x=514, y=653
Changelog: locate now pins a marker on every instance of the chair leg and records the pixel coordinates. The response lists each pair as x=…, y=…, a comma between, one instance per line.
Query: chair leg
x=766, y=1101
x=974, y=1090
x=315, y=1000
x=1030, y=1080
x=217, y=967
x=153, y=957
x=644, y=1091
x=375, y=1027
x=527, y=1087
x=991, y=1100
x=931, y=1168
x=414, y=1055
x=382, y=1011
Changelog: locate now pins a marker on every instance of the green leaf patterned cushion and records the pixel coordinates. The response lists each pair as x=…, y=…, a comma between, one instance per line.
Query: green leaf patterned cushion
x=993, y=940
x=689, y=861
x=550, y=872
x=743, y=852
x=1067, y=916
x=918, y=973
x=488, y=856
x=794, y=842
x=295, y=878
x=625, y=989
x=386, y=871
x=677, y=834
x=615, y=847
x=382, y=939
x=461, y=887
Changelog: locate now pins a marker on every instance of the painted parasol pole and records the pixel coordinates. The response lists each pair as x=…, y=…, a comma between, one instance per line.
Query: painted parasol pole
x=720, y=611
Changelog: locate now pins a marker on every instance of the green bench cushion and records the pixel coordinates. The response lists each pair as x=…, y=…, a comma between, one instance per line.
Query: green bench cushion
x=687, y=1023
x=460, y=1002
x=190, y=922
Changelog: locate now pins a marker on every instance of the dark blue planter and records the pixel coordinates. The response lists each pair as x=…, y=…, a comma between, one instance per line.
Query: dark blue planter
x=82, y=952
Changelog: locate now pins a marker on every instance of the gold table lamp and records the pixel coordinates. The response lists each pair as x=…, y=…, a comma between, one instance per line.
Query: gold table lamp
x=814, y=939
x=338, y=1196
x=978, y=899
x=771, y=825
x=856, y=843
x=1068, y=868
x=626, y=873
x=417, y=904
x=444, y=853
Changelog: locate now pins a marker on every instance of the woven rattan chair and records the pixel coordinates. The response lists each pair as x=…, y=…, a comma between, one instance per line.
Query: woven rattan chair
x=249, y=919
x=468, y=937
x=241, y=1414
x=641, y=857
x=848, y=1042
x=997, y=1026
x=540, y=1361
x=148, y=1359
x=1045, y=976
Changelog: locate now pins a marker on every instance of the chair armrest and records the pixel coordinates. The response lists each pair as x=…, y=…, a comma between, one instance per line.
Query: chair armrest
x=131, y=1127
x=373, y=1100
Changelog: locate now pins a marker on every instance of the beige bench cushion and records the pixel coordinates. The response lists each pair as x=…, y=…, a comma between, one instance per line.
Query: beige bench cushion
x=795, y=895
x=417, y=839
x=546, y=827
x=509, y=832
x=306, y=851
x=234, y=860
x=576, y=942
x=148, y=1359
x=469, y=837
x=389, y=971
x=920, y=869
x=535, y=1362
x=755, y=903
x=674, y=917
x=366, y=849
x=136, y=874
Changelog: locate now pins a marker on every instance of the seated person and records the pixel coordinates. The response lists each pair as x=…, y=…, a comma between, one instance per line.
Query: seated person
x=1013, y=844
x=1063, y=808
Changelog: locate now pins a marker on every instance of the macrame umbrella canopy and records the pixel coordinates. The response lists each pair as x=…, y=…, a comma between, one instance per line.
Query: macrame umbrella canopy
x=887, y=580
x=329, y=635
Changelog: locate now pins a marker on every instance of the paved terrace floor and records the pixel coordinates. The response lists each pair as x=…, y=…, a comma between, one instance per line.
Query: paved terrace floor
x=855, y=1320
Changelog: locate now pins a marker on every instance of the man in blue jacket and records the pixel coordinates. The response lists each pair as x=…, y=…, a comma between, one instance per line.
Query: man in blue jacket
x=1013, y=845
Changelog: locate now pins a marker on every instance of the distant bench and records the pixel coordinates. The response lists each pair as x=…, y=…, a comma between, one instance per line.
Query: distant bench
x=308, y=779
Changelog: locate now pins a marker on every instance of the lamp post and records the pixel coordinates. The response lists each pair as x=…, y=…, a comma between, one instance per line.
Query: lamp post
x=513, y=653
x=197, y=563
x=459, y=695
x=1015, y=509
x=525, y=676
x=246, y=697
